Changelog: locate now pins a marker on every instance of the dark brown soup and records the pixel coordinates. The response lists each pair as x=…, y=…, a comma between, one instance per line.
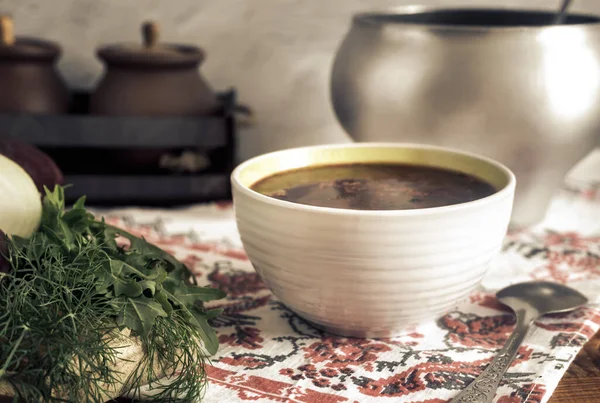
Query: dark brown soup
x=374, y=186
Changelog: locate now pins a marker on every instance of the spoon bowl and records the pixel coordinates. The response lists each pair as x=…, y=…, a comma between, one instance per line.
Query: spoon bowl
x=543, y=297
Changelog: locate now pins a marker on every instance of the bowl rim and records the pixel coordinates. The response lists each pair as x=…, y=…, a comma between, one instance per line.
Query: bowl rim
x=369, y=17
x=499, y=194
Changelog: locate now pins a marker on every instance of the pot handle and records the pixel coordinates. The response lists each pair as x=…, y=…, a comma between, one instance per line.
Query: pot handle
x=576, y=206
x=587, y=171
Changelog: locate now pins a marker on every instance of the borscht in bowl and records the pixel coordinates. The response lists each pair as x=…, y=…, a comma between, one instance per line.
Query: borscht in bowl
x=366, y=239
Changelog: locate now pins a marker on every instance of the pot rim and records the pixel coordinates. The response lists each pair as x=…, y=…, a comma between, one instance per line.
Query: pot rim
x=379, y=18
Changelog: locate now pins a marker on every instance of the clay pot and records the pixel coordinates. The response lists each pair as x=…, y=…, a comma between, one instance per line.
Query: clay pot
x=29, y=81
x=155, y=80
x=152, y=79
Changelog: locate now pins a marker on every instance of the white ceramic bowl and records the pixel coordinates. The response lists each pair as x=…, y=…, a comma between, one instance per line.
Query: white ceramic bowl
x=371, y=273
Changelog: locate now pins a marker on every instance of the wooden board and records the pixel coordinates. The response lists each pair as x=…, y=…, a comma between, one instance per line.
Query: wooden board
x=581, y=383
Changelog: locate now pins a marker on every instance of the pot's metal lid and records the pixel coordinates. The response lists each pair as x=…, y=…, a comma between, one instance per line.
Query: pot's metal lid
x=150, y=52
x=24, y=48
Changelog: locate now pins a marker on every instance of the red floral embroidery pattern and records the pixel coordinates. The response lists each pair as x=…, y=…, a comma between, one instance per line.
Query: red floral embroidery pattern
x=490, y=331
x=341, y=352
x=246, y=337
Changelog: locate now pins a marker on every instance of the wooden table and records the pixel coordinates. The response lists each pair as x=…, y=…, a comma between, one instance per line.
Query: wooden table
x=581, y=383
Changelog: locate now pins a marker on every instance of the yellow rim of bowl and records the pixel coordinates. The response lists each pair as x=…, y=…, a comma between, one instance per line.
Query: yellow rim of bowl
x=262, y=166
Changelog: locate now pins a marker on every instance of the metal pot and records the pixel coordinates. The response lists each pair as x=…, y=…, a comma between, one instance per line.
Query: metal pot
x=503, y=83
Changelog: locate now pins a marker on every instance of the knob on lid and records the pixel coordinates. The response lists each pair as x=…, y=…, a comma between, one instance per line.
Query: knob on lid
x=150, y=52
x=22, y=48
x=7, y=33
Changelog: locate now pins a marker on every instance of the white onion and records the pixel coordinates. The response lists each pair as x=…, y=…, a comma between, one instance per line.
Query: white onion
x=20, y=202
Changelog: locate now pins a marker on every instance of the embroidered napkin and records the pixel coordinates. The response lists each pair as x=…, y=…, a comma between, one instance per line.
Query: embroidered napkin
x=268, y=354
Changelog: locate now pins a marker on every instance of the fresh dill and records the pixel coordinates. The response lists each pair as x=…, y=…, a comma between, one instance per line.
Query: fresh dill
x=87, y=320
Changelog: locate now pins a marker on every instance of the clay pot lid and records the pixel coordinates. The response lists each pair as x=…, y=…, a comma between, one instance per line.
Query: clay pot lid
x=24, y=48
x=150, y=52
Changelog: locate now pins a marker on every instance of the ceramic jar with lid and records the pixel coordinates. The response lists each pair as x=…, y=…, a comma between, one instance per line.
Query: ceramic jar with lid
x=29, y=80
x=152, y=79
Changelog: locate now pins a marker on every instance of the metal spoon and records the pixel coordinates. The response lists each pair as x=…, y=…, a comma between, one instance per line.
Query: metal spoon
x=529, y=301
x=561, y=15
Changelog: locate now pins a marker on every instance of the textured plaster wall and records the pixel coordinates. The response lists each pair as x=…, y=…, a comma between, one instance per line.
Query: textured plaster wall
x=278, y=53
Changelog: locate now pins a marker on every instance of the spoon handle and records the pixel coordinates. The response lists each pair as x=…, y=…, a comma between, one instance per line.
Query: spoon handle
x=483, y=388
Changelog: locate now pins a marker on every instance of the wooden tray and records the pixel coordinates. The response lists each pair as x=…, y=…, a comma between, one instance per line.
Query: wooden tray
x=84, y=147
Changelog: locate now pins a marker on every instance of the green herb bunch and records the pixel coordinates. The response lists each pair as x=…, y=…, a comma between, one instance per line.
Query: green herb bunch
x=73, y=301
